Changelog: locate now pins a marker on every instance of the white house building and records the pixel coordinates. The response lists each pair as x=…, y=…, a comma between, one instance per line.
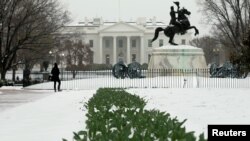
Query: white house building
x=122, y=41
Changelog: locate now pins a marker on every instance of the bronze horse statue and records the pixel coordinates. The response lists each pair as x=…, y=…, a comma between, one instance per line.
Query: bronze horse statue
x=171, y=30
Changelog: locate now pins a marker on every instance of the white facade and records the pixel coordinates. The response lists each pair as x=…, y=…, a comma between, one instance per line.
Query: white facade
x=127, y=41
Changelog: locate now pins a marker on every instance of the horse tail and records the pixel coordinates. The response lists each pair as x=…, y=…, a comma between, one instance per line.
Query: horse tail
x=157, y=30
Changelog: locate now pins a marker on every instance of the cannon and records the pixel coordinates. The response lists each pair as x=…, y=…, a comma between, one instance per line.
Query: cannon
x=227, y=70
x=119, y=70
x=133, y=70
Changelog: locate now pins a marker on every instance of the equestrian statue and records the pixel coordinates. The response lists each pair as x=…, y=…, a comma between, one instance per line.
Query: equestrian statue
x=177, y=25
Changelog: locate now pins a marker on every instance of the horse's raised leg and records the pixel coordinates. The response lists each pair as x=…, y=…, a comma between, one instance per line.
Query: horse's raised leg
x=196, y=30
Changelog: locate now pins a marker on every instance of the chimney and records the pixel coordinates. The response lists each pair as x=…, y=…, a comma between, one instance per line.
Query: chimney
x=153, y=20
x=97, y=21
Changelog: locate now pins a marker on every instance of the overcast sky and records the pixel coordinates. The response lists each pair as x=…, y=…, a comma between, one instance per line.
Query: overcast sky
x=132, y=9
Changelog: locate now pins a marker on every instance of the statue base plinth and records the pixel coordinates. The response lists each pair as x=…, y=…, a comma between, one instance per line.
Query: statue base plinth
x=179, y=58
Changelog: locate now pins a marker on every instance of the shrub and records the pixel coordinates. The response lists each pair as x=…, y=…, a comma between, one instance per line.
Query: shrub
x=1, y=83
x=114, y=114
x=89, y=67
x=98, y=67
x=6, y=83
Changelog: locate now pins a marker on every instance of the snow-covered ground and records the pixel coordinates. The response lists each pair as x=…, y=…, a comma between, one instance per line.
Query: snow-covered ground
x=200, y=106
x=58, y=115
x=48, y=119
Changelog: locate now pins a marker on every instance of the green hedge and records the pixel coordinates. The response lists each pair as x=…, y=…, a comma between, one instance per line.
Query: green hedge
x=89, y=67
x=115, y=115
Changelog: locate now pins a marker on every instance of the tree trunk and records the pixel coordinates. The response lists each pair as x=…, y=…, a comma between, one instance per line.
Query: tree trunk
x=14, y=75
x=3, y=74
x=74, y=74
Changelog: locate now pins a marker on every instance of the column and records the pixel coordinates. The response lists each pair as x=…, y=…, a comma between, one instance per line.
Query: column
x=142, y=50
x=101, y=50
x=128, y=50
x=114, y=50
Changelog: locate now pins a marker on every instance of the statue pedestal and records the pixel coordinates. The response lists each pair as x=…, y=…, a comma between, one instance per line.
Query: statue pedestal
x=181, y=57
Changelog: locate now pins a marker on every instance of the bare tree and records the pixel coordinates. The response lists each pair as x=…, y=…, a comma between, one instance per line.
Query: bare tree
x=230, y=19
x=208, y=44
x=78, y=55
x=246, y=40
x=26, y=24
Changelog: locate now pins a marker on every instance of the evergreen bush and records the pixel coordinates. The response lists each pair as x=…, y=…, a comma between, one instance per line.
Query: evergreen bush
x=116, y=115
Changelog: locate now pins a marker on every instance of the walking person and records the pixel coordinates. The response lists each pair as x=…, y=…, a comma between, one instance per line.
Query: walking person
x=55, y=77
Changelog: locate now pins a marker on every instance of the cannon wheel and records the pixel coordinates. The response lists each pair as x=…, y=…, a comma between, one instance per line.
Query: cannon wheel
x=228, y=70
x=134, y=70
x=119, y=70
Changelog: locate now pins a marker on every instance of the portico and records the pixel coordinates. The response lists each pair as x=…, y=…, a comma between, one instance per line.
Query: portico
x=121, y=42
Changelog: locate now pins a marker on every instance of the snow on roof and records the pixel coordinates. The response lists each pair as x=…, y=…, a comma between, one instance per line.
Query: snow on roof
x=109, y=23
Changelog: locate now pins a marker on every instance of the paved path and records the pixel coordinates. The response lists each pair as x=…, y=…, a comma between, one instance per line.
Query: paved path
x=12, y=98
x=50, y=118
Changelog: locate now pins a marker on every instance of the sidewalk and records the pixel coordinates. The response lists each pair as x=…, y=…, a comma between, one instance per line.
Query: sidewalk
x=48, y=119
x=15, y=96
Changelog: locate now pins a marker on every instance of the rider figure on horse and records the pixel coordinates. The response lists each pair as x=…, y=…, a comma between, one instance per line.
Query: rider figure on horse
x=173, y=20
x=181, y=25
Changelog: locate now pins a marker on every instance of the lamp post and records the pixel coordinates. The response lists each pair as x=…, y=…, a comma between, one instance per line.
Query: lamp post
x=51, y=58
x=1, y=48
x=1, y=38
x=62, y=62
x=1, y=35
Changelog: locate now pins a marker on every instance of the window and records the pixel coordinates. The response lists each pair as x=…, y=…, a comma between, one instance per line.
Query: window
x=133, y=43
x=149, y=43
x=120, y=42
x=107, y=43
x=183, y=41
x=133, y=57
x=149, y=57
x=91, y=43
x=107, y=59
x=161, y=42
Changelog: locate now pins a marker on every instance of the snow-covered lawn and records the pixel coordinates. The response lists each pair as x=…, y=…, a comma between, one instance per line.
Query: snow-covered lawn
x=58, y=115
x=200, y=106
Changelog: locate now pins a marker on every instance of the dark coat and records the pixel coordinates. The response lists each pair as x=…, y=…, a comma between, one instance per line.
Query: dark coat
x=55, y=74
x=173, y=18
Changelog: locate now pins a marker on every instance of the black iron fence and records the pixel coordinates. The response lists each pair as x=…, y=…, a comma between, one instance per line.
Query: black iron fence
x=157, y=78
